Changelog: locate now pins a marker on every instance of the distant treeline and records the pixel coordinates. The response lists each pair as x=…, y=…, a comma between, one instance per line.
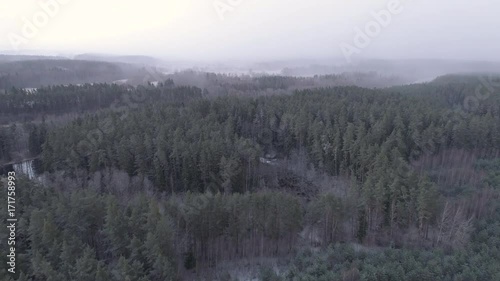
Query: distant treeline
x=87, y=97
x=37, y=73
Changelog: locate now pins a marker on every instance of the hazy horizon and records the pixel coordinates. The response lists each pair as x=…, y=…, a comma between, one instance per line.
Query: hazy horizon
x=253, y=30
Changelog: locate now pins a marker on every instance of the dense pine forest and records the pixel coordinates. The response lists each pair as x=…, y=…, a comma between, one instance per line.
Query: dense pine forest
x=301, y=178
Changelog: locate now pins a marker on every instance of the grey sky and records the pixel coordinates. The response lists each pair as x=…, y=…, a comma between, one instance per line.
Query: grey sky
x=255, y=29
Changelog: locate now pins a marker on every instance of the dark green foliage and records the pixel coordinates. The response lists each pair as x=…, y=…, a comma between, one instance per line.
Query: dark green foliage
x=81, y=235
x=492, y=168
x=267, y=274
x=189, y=260
x=181, y=183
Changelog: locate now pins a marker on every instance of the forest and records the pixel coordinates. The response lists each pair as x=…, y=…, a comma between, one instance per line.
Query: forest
x=34, y=72
x=322, y=179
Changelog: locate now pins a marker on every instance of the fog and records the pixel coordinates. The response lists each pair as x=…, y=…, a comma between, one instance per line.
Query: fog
x=246, y=30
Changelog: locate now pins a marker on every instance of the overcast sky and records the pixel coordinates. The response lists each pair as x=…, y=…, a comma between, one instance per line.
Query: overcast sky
x=253, y=29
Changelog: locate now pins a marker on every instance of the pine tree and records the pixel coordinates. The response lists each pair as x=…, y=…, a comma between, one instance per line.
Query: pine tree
x=115, y=229
x=102, y=273
x=163, y=270
x=86, y=266
x=229, y=169
x=426, y=204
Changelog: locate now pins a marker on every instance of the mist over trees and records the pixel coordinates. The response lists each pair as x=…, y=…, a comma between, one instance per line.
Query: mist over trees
x=47, y=72
x=172, y=182
x=232, y=140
